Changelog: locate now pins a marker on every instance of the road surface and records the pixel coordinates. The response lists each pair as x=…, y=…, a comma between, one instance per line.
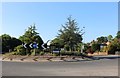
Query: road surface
x=102, y=67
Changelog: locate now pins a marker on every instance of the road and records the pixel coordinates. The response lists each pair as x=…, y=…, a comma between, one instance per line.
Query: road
x=102, y=67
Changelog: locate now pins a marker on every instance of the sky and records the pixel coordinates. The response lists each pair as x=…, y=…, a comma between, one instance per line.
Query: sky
x=98, y=18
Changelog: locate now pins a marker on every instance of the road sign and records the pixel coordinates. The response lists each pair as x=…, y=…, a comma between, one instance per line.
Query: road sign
x=25, y=45
x=55, y=51
x=35, y=45
x=43, y=46
x=32, y=45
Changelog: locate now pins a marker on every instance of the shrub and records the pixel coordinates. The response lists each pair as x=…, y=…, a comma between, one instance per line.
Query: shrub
x=20, y=50
x=41, y=53
x=95, y=47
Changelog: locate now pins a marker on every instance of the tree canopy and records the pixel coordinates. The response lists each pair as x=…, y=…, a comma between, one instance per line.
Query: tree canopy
x=69, y=36
x=118, y=35
x=102, y=39
x=31, y=36
x=9, y=43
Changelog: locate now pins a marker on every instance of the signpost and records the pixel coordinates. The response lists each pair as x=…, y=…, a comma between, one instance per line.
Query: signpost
x=34, y=46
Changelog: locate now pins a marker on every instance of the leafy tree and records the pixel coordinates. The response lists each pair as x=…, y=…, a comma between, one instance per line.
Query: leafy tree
x=102, y=39
x=9, y=43
x=70, y=34
x=110, y=37
x=5, y=42
x=31, y=36
x=14, y=42
x=114, y=46
x=57, y=42
x=118, y=35
x=95, y=47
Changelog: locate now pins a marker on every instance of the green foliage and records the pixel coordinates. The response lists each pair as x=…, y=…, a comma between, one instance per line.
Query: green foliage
x=118, y=35
x=31, y=36
x=5, y=42
x=70, y=53
x=79, y=46
x=9, y=43
x=110, y=38
x=69, y=38
x=102, y=39
x=67, y=53
x=58, y=43
x=69, y=35
x=95, y=47
x=41, y=53
x=20, y=50
x=114, y=46
x=35, y=52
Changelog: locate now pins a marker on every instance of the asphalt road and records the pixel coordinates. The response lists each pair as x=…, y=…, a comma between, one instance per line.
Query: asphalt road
x=103, y=67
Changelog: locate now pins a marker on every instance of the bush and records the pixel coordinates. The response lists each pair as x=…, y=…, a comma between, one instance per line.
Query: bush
x=95, y=47
x=62, y=52
x=114, y=46
x=112, y=49
x=56, y=54
x=19, y=50
x=71, y=53
x=42, y=53
x=77, y=53
x=32, y=53
x=35, y=52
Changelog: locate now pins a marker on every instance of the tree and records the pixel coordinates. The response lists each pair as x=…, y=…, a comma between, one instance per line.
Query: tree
x=9, y=43
x=80, y=45
x=95, y=47
x=31, y=36
x=118, y=35
x=114, y=46
x=14, y=42
x=109, y=37
x=56, y=43
x=70, y=34
x=102, y=39
x=5, y=42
